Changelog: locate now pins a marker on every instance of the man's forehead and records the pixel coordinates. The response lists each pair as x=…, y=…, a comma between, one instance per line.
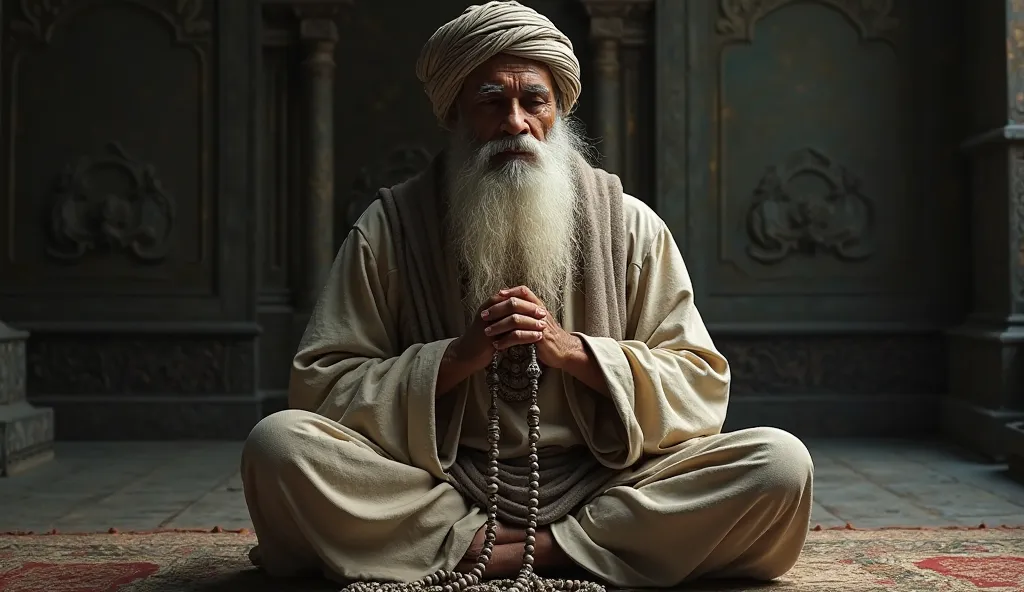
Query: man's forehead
x=504, y=71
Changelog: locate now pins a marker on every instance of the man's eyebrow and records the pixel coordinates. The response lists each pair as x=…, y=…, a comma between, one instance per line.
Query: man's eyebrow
x=490, y=89
x=537, y=89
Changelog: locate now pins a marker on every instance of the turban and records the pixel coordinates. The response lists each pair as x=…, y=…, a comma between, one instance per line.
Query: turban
x=484, y=31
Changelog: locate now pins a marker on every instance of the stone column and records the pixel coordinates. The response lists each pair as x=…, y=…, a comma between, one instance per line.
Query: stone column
x=986, y=357
x=319, y=35
x=606, y=26
x=26, y=432
x=638, y=101
x=617, y=30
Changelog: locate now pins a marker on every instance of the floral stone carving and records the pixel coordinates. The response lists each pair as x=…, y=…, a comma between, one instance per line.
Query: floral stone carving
x=785, y=219
x=92, y=211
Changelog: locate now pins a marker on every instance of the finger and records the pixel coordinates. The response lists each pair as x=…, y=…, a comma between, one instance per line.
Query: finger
x=511, y=306
x=517, y=337
x=490, y=302
x=522, y=292
x=525, y=293
x=512, y=322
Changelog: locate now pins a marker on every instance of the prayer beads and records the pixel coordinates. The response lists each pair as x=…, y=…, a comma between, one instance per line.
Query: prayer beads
x=473, y=581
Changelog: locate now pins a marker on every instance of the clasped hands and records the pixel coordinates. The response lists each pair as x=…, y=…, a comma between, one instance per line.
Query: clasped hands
x=516, y=316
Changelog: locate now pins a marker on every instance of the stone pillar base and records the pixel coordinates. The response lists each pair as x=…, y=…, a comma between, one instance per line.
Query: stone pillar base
x=26, y=432
x=986, y=376
x=980, y=430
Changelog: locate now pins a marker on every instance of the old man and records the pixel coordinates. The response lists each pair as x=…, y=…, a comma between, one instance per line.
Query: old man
x=508, y=239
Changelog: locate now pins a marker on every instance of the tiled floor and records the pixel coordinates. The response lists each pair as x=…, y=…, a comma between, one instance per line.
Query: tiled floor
x=135, y=486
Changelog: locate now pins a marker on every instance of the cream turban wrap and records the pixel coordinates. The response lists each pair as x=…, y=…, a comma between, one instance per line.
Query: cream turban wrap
x=482, y=32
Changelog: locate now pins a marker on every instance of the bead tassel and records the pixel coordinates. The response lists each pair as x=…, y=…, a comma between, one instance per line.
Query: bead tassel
x=473, y=581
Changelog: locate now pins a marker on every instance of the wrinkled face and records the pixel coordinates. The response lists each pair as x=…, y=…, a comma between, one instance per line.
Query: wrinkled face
x=508, y=96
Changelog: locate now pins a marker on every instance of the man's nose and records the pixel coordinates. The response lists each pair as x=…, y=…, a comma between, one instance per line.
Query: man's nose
x=515, y=121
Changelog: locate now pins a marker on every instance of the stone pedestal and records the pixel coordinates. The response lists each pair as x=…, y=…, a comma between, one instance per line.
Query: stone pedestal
x=26, y=432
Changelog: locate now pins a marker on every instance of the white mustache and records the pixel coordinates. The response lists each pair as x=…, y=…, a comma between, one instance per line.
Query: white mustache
x=521, y=143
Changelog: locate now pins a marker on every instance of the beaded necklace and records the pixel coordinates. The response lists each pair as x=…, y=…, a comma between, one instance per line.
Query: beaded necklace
x=472, y=581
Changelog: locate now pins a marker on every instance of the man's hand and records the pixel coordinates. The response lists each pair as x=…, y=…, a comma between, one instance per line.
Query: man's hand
x=560, y=349
x=555, y=347
x=501, y=322
x=516, y=316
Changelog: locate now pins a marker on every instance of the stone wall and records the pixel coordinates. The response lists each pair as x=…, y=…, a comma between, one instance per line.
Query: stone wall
x=174, y=199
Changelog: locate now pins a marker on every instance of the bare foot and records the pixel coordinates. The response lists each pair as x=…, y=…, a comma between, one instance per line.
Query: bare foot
x=547, y=554
x=505, y=535
x=507, y=555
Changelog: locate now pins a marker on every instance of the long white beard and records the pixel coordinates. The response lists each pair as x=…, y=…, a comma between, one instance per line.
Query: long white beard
x=515, y=223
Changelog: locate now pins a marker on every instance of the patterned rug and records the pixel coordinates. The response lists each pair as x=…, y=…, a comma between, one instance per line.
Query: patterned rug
x=840, y=560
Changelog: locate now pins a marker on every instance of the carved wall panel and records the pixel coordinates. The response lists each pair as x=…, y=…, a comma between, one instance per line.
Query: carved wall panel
x=785, y=220
x=107, y=147
x=124, y=144
x=128, y=239
x=138, y=220
x=817, y=187
x=810, y=141
x=140, y=365
x=831, y=365
x=872, y=18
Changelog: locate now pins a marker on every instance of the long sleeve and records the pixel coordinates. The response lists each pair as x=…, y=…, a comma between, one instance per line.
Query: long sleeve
x=667, y=382
x=349, y=367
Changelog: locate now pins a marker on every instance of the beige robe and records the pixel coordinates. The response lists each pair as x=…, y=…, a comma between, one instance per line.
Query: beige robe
x=352, y=479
